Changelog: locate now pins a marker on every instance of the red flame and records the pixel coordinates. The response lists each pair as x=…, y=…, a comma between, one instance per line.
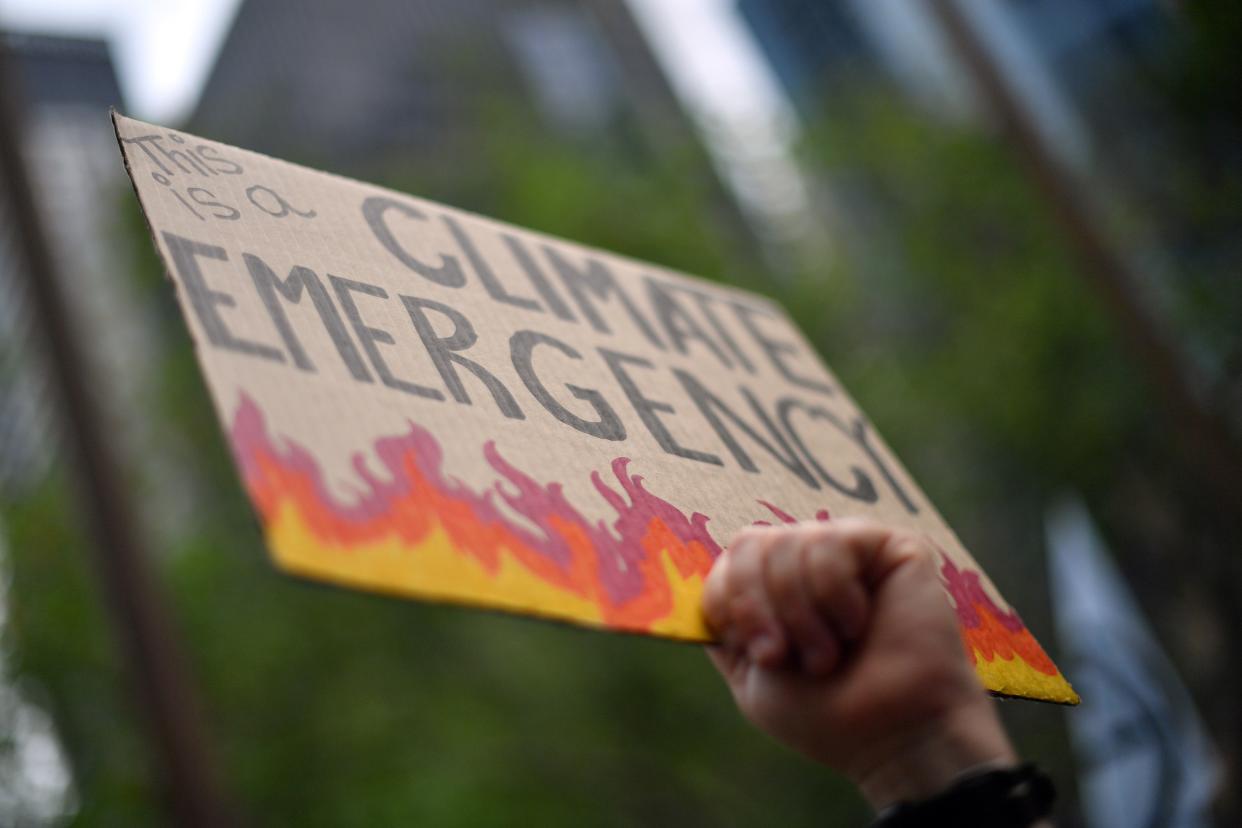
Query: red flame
x=618, y=567
x=990, y=632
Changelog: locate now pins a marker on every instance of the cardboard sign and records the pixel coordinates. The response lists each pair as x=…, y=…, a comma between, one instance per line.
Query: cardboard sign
x=433, y=404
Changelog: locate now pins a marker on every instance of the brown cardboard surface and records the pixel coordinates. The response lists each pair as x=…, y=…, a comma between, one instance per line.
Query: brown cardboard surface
x=430, y=403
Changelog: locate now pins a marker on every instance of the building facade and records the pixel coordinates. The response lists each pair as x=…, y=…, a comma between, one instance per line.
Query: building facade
x=355, y=84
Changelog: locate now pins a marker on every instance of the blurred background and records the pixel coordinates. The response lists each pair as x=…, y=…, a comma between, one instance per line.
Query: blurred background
x=1013, y=228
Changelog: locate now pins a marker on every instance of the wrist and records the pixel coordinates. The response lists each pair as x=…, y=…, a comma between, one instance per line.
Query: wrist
x=926, y=760
x=1014, y=796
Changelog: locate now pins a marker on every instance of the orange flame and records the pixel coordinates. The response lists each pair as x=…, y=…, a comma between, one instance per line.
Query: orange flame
x=419, y=532
x=629, y=576
x=1004, y=652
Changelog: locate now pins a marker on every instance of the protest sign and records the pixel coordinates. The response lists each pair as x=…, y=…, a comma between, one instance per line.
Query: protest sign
x=429, y=403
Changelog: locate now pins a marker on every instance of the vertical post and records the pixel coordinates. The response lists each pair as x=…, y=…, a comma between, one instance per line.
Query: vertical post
x=1209, y=447
x=142, y=624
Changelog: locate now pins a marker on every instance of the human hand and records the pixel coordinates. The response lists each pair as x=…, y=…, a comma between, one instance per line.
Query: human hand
x=838, y=639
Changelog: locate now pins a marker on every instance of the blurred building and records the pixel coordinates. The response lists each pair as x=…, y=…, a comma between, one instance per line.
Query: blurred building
x=356, y=83
x=809, y=45
x=1059, y=56
x=67, y=85
x=1085, y=40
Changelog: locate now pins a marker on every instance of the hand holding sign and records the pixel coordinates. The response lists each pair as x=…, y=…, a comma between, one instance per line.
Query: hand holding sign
x=429, y=403
x=837, y=640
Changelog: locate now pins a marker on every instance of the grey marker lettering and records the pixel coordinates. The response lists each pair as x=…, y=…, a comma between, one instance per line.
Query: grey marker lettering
x=648, y=410
x=537, y=278
x=205, y=198
x=597, y=280
x=145, y=143
x=484, y=271
x=368, y=335
x=185, y=255
x=444, y=353
x=448, y=273
x=608, y=426
x=282, y=206
x=775, y=350
x=271, y=288
x=712, y=407
x=211, y=157
x=863, y=489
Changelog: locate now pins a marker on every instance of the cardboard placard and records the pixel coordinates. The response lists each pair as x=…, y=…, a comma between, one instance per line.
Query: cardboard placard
x=425, y=402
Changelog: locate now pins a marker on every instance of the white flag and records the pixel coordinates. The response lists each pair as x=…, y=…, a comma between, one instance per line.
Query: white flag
x=1145, y=758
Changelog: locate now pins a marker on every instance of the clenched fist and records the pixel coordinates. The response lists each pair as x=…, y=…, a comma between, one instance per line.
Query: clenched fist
x=838, y=639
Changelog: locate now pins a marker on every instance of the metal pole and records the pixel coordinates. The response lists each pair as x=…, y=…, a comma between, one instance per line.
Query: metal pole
x=142, y=623
x=1209, y=447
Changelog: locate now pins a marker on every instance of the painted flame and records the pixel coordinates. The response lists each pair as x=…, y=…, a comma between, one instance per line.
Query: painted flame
x=418, y=532
x=422, y=533
x=1005, y=654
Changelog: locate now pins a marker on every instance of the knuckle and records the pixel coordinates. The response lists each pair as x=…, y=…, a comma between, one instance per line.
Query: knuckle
x=745, y=610
x=847, y=527
x=748, y=537
x=809, y=533
x=742, y=573
x=780, y=576
x=819, y=530
x=915, y=548
x=828, y=571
